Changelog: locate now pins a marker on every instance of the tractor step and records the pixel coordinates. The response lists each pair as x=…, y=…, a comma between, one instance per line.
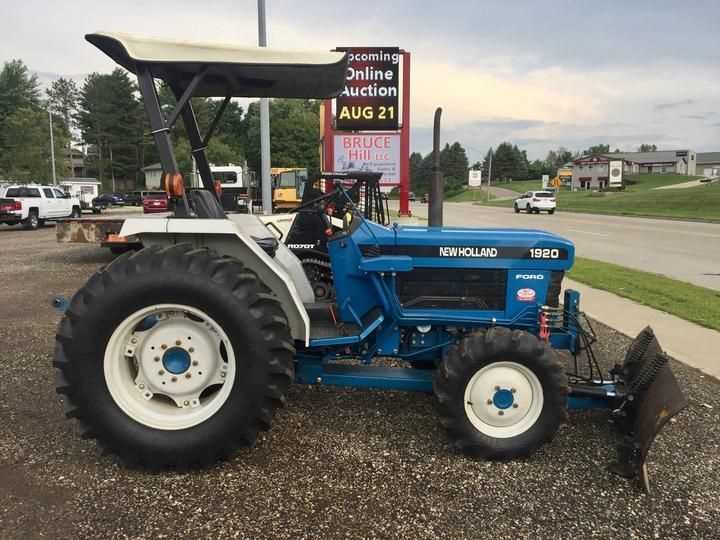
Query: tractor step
x=361, y=376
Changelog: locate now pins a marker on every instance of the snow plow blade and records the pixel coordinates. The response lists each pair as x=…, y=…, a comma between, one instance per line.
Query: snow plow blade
x=653, y=397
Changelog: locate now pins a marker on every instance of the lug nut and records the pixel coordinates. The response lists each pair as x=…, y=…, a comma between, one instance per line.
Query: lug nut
x=489, y=401
x=163, y=346
x=177, y=342
x=187, y=375
x=515, y=405
x=497, y=388
x=195, y=362
x=501, y=413
x=191, y=349
x=133, y=340
x=222, y=374
x=513, y=390
x=161, y=372
x=186, y=403
x=141, y=386
x=157, y=358
x=174, y=379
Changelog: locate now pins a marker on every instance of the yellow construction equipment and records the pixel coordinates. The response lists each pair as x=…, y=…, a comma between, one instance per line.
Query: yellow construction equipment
x=288, y=184
x=563, y=178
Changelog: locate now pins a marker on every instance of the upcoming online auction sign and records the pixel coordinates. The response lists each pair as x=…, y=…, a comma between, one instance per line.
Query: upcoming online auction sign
x=370, y=99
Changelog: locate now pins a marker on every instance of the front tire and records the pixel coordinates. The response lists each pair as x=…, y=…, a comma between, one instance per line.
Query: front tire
x=76, y=212
x=501, y=394
x=173, y=357
x=517, y=210
x=551, y=211
x=528, y=209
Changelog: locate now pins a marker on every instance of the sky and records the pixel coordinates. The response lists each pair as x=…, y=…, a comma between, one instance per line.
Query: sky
x=540, y=74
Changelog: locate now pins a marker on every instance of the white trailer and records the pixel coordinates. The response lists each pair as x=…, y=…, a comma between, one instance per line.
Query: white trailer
x=85, y=189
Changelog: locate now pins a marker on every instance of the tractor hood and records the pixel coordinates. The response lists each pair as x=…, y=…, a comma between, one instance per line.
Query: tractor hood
x=462, y=246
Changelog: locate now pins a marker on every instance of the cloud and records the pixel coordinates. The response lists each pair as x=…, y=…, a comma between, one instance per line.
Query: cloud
x=673, y=105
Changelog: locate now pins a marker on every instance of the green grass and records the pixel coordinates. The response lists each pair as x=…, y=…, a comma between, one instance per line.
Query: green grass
x=701, y=202
x=521, y=186
x=684, y=300
x=469, y=195
x=643, y=182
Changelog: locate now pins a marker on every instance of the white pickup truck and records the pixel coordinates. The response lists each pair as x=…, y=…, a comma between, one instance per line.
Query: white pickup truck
x=33, y=204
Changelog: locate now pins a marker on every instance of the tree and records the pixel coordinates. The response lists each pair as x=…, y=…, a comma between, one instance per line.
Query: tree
x=108, y=118
x=63, y=98
x=26, y=156
x=18, y=89
x=294, y=128
x=598, y=149
x=556, y=159
x=504, y=162
x=647, y=148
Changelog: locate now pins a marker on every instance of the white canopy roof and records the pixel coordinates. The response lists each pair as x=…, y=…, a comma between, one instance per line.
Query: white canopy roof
x=249, y=72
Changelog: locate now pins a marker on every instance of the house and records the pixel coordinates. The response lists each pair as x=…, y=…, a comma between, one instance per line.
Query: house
x=708, y=164
x=662, y=161
x=591, y=171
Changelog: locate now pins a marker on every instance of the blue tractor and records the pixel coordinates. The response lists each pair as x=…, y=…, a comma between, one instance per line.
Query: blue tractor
x=176, y=355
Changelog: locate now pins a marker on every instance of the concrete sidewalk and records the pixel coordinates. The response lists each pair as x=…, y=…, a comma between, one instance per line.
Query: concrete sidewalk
x=685, y=341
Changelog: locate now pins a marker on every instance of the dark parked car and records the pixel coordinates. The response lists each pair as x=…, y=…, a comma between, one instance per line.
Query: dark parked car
x=108, y=199
x=134, y=198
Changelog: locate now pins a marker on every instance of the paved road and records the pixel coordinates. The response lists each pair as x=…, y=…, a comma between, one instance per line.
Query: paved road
x=685, y=250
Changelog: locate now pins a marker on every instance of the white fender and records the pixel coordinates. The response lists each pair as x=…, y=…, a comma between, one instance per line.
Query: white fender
x=234, y=237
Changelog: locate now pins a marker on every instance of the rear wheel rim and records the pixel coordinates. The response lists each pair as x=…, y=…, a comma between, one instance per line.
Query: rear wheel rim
x=503, y=399
x=169, y=366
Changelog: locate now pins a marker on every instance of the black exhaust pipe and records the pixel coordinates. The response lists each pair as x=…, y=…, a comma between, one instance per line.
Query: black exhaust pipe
x=435, y=214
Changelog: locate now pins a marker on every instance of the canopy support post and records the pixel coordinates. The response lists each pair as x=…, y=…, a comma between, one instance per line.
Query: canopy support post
x=158, y=128
x=184, y=99
x=216, y=120
x=197, y=145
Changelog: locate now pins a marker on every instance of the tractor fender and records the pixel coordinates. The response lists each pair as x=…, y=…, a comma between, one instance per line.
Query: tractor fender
x=235, y=238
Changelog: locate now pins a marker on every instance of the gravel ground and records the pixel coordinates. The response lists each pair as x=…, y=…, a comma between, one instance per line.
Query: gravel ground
x=337, y=463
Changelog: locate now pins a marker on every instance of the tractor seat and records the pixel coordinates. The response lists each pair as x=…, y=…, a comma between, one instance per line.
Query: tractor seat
x=205, y=204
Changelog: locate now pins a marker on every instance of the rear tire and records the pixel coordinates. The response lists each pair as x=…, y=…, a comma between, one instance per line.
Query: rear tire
x=216, y=305
x=501, y=394
x=32, y=222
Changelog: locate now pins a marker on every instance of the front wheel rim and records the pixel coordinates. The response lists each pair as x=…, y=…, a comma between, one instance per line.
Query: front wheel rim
x=169, y=366
x=503, y=399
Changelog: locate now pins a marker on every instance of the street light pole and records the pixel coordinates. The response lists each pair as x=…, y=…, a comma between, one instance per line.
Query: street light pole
x=52, y=147
x=264, y=124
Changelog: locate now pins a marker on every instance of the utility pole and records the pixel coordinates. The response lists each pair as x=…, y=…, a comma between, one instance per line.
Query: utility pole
x=112, y=169
x=490, y=174
x=52, y=147
x=264, y=124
